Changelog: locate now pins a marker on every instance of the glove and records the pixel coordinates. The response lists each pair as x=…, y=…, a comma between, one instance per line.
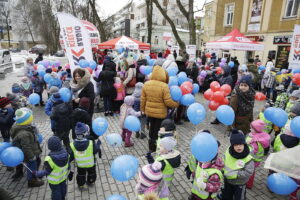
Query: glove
x=240, y=163
x=150, y=158
x=70, y=177
x=201, y=184
x=188, y=172
x=99, y=153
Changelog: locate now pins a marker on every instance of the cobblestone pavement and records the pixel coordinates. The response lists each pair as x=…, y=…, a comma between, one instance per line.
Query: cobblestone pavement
x=105, y=184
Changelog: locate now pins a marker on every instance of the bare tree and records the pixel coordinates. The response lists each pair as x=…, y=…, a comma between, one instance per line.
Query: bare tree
x=189, y=15
x=173, y=27
x=149, y=12
x=100, y=24
x=5, y=12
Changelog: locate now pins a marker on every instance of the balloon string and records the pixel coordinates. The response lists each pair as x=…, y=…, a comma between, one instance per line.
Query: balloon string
x=26, y=167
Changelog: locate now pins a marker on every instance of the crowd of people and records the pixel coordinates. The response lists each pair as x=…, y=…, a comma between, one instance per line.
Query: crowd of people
x=125, y=90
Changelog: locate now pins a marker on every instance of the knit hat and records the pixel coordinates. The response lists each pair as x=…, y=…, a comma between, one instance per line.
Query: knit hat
x=4, y=101
x=296, y=108
x=258, y=125
x=25, y=79
x=56, y=96
x=12, y=97
x=168, y=143
x=150, y=174
x=84, y=102
x=129, y=100
x=246, y=79
x=48, y=70
x=237, y=137
x=138, y=90
x=81, y=130
x=15, y=88
x=23, y=116
x=296, y=94
x=168, y=124
x=54, y=143
x=53, y=90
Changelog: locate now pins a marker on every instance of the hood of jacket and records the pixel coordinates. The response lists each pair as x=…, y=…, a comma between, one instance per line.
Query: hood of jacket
x=263, y=138
x=17, y=128
x=227, y=70
x=289, y=141
x=81, y=145
x=159, y=74
x=159, y=61
x=129, y=100
x=83, y=82
x=138, y=90
x=60, y=158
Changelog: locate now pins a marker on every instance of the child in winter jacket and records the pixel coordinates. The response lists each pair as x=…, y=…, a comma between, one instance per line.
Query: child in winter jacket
x=282, y=97
x=239, y=166
x=38, y=86
x=127, y=110
x=136, y=106
x=6, y=118
x=295, y=97
x=83, y=151
x=26, y=87
x=258, y=141
x=56, y=168
x=23, y=136
x=268, y=127
x=120, y=94
x=167, y=129
x=150, y=181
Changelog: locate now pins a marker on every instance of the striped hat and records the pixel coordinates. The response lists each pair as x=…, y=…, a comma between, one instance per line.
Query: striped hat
x=23, y=116
x=4, y=101
x=150, y=175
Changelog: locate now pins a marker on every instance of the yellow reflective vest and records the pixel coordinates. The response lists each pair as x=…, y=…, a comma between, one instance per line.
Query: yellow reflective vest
x=58, y=174
x=84, y=159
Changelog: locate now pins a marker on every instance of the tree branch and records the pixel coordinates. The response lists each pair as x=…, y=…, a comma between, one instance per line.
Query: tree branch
x=182, y=9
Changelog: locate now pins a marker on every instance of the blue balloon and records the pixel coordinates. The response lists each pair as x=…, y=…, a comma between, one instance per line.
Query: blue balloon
x=116, y=197
x=196, y=113
x=148, y=58
x=231, y=64
x=262, y=68
x=187, y=99
x=204, y=147
x=40, y=138
x=173, y=81
x=65, y=94
x=34, y=99
x=114, y=139
x=84, y=63
x=4, y=145
x=120, y=50
x=135, y=57
x=47, y=78
x=93, y=64
x=42, y=73
x=196, y=88
x=225, y=114
x=40, y=63
x=132, y=123
x=148, y=70
x=124, y=167
x=182, y=77
x=176, y=93
x=295, y=126
x=279, y=117
x=151, y=62
x=99, y=125
x=172, y=71
x=268, y=113
x=281, y=184
x=295, y=71
x=12, y=156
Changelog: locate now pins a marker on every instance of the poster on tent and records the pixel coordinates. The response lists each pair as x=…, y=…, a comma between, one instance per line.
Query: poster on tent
x=256, y=10
x=191, y=50
x=294, y=59
x=75, y=38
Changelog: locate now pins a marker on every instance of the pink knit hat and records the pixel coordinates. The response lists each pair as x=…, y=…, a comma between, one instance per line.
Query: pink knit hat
x=150, y=175
x=258, y=125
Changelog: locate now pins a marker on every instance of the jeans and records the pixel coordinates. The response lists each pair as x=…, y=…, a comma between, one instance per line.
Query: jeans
x=59, y=191
x=107, y=104
x=153, y=132
x=33, y=166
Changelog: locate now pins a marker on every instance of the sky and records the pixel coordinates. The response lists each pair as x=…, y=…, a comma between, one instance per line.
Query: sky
x=109, y=7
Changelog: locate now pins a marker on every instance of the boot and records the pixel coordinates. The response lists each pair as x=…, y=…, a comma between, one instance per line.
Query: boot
x=123, y=136
x=128, y=143
x=19, y=173
x=35, y=183
x=216, y=121
x=137, y=134
x=142, y=136
x=152, y=145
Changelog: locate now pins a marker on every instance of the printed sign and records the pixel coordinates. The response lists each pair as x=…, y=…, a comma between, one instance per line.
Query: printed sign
x=294, y=58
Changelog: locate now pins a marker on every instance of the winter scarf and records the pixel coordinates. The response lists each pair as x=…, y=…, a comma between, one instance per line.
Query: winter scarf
x=237, y=155
x=245, y=101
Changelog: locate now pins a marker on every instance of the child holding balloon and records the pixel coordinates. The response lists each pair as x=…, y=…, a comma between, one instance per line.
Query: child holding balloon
x=38, y=86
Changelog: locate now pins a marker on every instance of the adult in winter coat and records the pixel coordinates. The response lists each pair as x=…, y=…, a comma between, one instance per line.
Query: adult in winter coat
x=242, y=102
x=82, y=87
x=141, y=61
x=169, y=62
x=107, y=90
x=130, y=74
x=180, y=64
x=253, y=72
x=39, y=58
x=160, y=59
x=226, y=77
x=38, y=86
x=155, y=100
x=192, y=70
x=234, y=70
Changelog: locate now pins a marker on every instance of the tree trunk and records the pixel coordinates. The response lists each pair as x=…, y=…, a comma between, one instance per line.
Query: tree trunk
x=191, y=21
x=149, y=4
x=7, y=28
x=99, y=22
x=174, y=30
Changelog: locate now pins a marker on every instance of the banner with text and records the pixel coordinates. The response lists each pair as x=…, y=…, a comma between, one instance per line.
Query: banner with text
x=294, y=59
x=75, y=38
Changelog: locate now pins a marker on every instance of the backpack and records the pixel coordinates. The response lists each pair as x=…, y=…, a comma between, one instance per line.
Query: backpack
x=61, y=113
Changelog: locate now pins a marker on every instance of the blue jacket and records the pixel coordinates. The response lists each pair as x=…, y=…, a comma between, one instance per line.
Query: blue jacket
x=48, y=108
x=137, y=104
x=6, y=119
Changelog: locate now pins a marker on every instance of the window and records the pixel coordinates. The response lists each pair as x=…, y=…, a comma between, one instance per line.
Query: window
x=131, y=16
x=291, y=9
x=228, y=18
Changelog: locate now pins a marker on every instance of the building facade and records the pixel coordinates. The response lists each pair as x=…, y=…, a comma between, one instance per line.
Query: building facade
x=270, y=22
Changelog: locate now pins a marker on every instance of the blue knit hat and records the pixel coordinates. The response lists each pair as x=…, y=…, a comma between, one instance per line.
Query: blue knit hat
x=81, y=130
x=237, y=137
x=246, y=79
x=54, y=144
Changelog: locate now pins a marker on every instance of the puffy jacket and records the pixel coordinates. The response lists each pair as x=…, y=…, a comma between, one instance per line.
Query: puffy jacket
x=24, y=137
x=6, y=119
x=61, y=117
x=156, y=96
x=226, y=77
x=106, y=77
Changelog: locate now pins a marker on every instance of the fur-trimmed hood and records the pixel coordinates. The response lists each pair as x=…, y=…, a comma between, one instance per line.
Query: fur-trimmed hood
x=83, y=82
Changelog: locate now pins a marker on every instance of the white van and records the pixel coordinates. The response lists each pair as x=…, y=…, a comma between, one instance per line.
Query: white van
x=5, y=56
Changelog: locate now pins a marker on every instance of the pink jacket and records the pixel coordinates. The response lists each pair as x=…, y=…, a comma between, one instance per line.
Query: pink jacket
x=263, y=138
x=120, y=91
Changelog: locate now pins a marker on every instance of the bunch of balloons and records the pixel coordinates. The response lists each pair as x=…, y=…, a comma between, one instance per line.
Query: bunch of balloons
x=276, y=115
x=124, y=167
x=90, y=65
x=217, y=95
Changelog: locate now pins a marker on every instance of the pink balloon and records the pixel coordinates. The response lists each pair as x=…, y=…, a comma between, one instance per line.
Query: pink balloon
x=142, y=69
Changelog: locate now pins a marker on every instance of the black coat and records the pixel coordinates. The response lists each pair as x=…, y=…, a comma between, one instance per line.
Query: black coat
x=181, y=66
x=88, y=91
x=107, y=83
